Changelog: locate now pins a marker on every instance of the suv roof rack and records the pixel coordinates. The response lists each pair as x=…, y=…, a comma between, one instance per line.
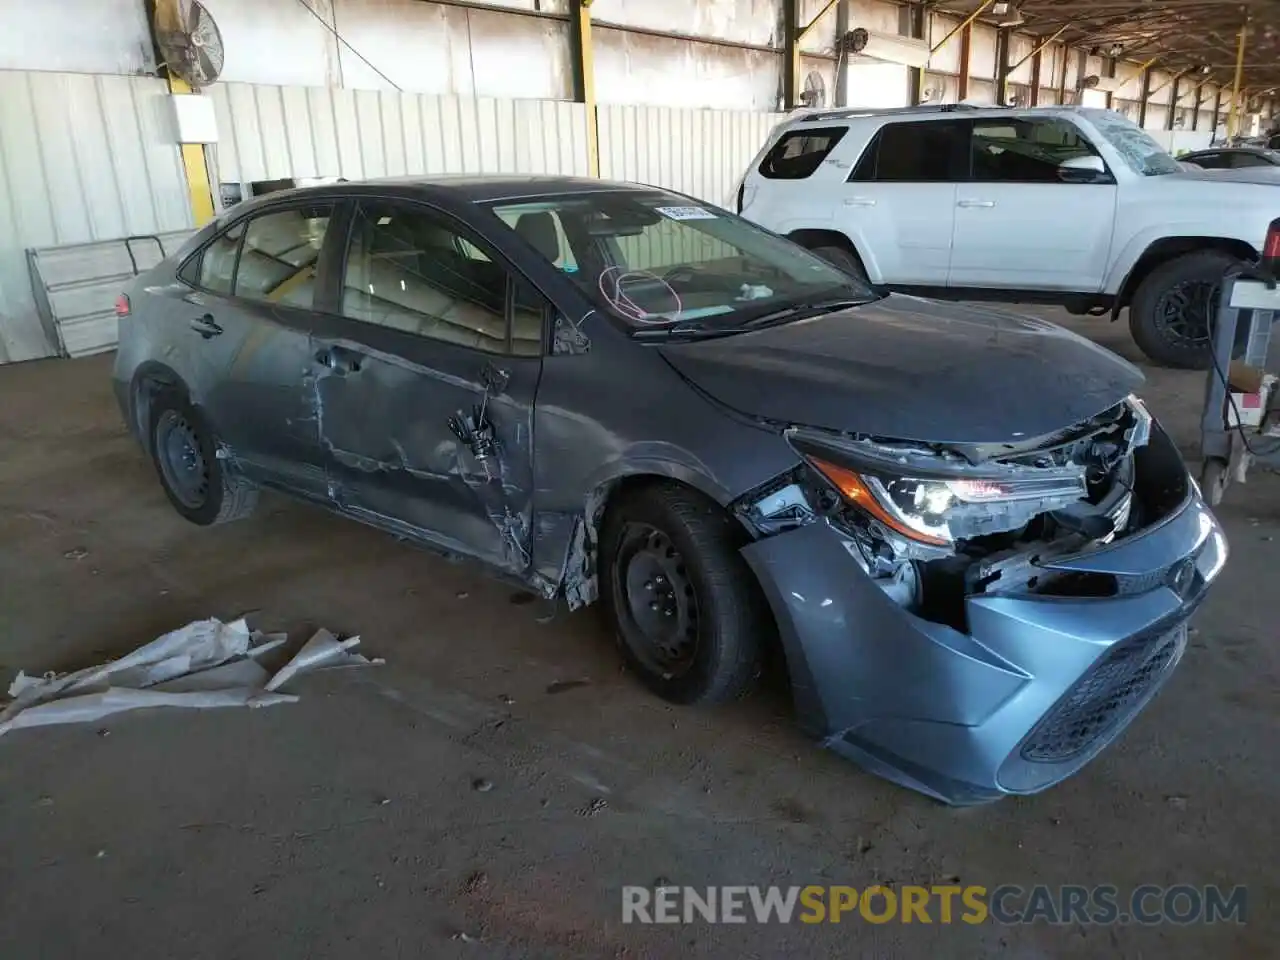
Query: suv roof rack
x=850, y=112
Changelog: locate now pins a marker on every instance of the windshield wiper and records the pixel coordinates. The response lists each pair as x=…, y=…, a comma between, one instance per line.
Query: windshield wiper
x=801, y=310
x=695, y=329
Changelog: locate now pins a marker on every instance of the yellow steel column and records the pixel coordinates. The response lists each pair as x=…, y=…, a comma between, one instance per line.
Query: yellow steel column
x=168, y=19
x=584, y=78
x=963, y=24
x=199, y=189
x=1235, y=86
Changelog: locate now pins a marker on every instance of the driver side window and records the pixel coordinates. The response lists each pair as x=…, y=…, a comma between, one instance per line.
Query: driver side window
x=408, y=270
x=1021, y=150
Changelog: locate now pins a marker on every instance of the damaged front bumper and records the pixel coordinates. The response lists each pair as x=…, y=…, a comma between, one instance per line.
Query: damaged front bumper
x=1023, y=696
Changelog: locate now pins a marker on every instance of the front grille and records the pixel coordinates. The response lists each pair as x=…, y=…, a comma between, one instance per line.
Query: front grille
x=1104, y=698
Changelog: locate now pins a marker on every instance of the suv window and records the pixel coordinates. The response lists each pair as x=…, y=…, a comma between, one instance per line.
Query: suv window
x=1211, y=161
x=928, y=151
x=1245, y=159
x=410, y=271
x=279, y=254
x=1025, y=150
x=800, y=152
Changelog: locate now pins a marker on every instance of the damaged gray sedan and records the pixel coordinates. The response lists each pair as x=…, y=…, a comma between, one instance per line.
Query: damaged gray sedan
x=977, y=550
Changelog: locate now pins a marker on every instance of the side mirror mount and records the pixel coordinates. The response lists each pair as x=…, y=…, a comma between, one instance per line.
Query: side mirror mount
x=1083, y=169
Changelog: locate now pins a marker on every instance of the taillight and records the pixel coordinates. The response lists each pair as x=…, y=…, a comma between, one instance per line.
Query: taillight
x=123, y=306
x=1271, y=247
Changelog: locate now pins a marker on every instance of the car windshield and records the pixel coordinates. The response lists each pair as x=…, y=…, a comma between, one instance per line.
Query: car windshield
x=657, y=259
x=1140, y=152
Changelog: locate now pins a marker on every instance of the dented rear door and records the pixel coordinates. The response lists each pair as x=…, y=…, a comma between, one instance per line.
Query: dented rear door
x=425, y=378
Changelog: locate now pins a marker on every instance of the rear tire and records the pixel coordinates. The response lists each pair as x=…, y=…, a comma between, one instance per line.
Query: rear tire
x=842, y=259
x=1172, y=310
x=688, y=614
x=196, y=481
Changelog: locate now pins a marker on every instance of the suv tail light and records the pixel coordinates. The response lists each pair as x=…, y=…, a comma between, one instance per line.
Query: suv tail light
x=123, y=306
x=1271, y=249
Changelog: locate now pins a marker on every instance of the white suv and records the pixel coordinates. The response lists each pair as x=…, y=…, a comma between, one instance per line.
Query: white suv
x=1065, y=205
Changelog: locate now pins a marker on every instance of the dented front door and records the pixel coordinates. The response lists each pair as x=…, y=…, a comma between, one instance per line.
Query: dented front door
x=425, y=397
x=430, y=438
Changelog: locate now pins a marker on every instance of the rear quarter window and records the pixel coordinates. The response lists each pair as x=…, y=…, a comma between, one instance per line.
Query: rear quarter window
x=798, y=153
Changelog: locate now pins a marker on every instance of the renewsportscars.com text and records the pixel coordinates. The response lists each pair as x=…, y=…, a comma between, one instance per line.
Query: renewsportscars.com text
x=971, y=904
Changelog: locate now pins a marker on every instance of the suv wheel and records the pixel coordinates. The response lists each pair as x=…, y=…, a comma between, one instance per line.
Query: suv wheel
x=689, y=616
x=1171, y=312
x=841, y=259
x=196, y=481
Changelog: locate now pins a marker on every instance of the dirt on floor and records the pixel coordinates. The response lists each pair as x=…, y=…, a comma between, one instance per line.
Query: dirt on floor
x=490, y=790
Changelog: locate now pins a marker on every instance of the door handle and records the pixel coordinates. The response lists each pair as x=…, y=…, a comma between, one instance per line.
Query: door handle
x=859, y=202
x=975, y=203
x=206, y=326
x=338, y=360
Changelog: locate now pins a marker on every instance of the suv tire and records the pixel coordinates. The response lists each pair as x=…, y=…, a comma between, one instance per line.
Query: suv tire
x=688, y=614
x=1187, y=283
x=842, y=259
x=196, y=481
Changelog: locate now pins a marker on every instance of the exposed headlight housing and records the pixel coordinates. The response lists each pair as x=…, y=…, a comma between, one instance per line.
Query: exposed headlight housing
x=940, y=510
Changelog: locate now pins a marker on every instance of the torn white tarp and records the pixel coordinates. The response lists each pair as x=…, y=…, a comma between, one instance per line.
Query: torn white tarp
x=204, y=665
x=322, y=650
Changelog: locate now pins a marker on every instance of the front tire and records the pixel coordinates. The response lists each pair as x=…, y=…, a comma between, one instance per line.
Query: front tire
x=689, y=617
x=185, y=455
x=1172, y=310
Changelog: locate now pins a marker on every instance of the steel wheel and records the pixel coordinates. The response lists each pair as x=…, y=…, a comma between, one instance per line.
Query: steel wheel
x=659, y=600
x=181, y=461
x=1183, y=313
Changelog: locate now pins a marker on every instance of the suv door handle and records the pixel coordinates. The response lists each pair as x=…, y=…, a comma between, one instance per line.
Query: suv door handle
x=859, y=202
x=206, y=326
x=975, y=203
x=340, y=361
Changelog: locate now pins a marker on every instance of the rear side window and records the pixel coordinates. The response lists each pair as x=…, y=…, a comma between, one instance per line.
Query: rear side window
x=217, y=264
x=279, y=255
x=799, y=153
x=931, y=151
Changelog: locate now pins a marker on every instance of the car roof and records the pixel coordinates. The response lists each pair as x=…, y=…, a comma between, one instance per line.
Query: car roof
x=465, y=188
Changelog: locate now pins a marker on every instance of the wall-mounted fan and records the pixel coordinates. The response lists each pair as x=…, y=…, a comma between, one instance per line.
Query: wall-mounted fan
x=191, y=48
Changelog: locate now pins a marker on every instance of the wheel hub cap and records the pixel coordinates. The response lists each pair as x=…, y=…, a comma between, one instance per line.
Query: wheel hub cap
x=660, y=599
x=1185, y=311
x=182, y=461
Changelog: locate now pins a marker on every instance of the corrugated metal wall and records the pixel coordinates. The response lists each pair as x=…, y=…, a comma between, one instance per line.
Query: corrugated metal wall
x=82, y=158
x=269, y=132
x=698, y=152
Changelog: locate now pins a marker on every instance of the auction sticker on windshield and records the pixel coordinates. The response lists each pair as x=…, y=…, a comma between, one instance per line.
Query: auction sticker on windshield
x=686, y=213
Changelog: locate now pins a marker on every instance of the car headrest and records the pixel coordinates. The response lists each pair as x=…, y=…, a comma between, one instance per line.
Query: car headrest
x=539, y=229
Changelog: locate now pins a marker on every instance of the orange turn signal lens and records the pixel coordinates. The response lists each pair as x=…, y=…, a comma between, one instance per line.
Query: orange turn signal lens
x=856, y=492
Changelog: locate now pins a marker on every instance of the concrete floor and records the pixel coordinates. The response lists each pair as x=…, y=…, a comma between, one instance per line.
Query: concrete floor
x=349, y=822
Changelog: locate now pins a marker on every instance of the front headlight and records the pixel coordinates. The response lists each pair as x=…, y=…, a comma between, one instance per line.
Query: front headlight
x=932, y=510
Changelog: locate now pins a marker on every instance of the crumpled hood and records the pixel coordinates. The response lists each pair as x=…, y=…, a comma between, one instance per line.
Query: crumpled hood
x=912, y=369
